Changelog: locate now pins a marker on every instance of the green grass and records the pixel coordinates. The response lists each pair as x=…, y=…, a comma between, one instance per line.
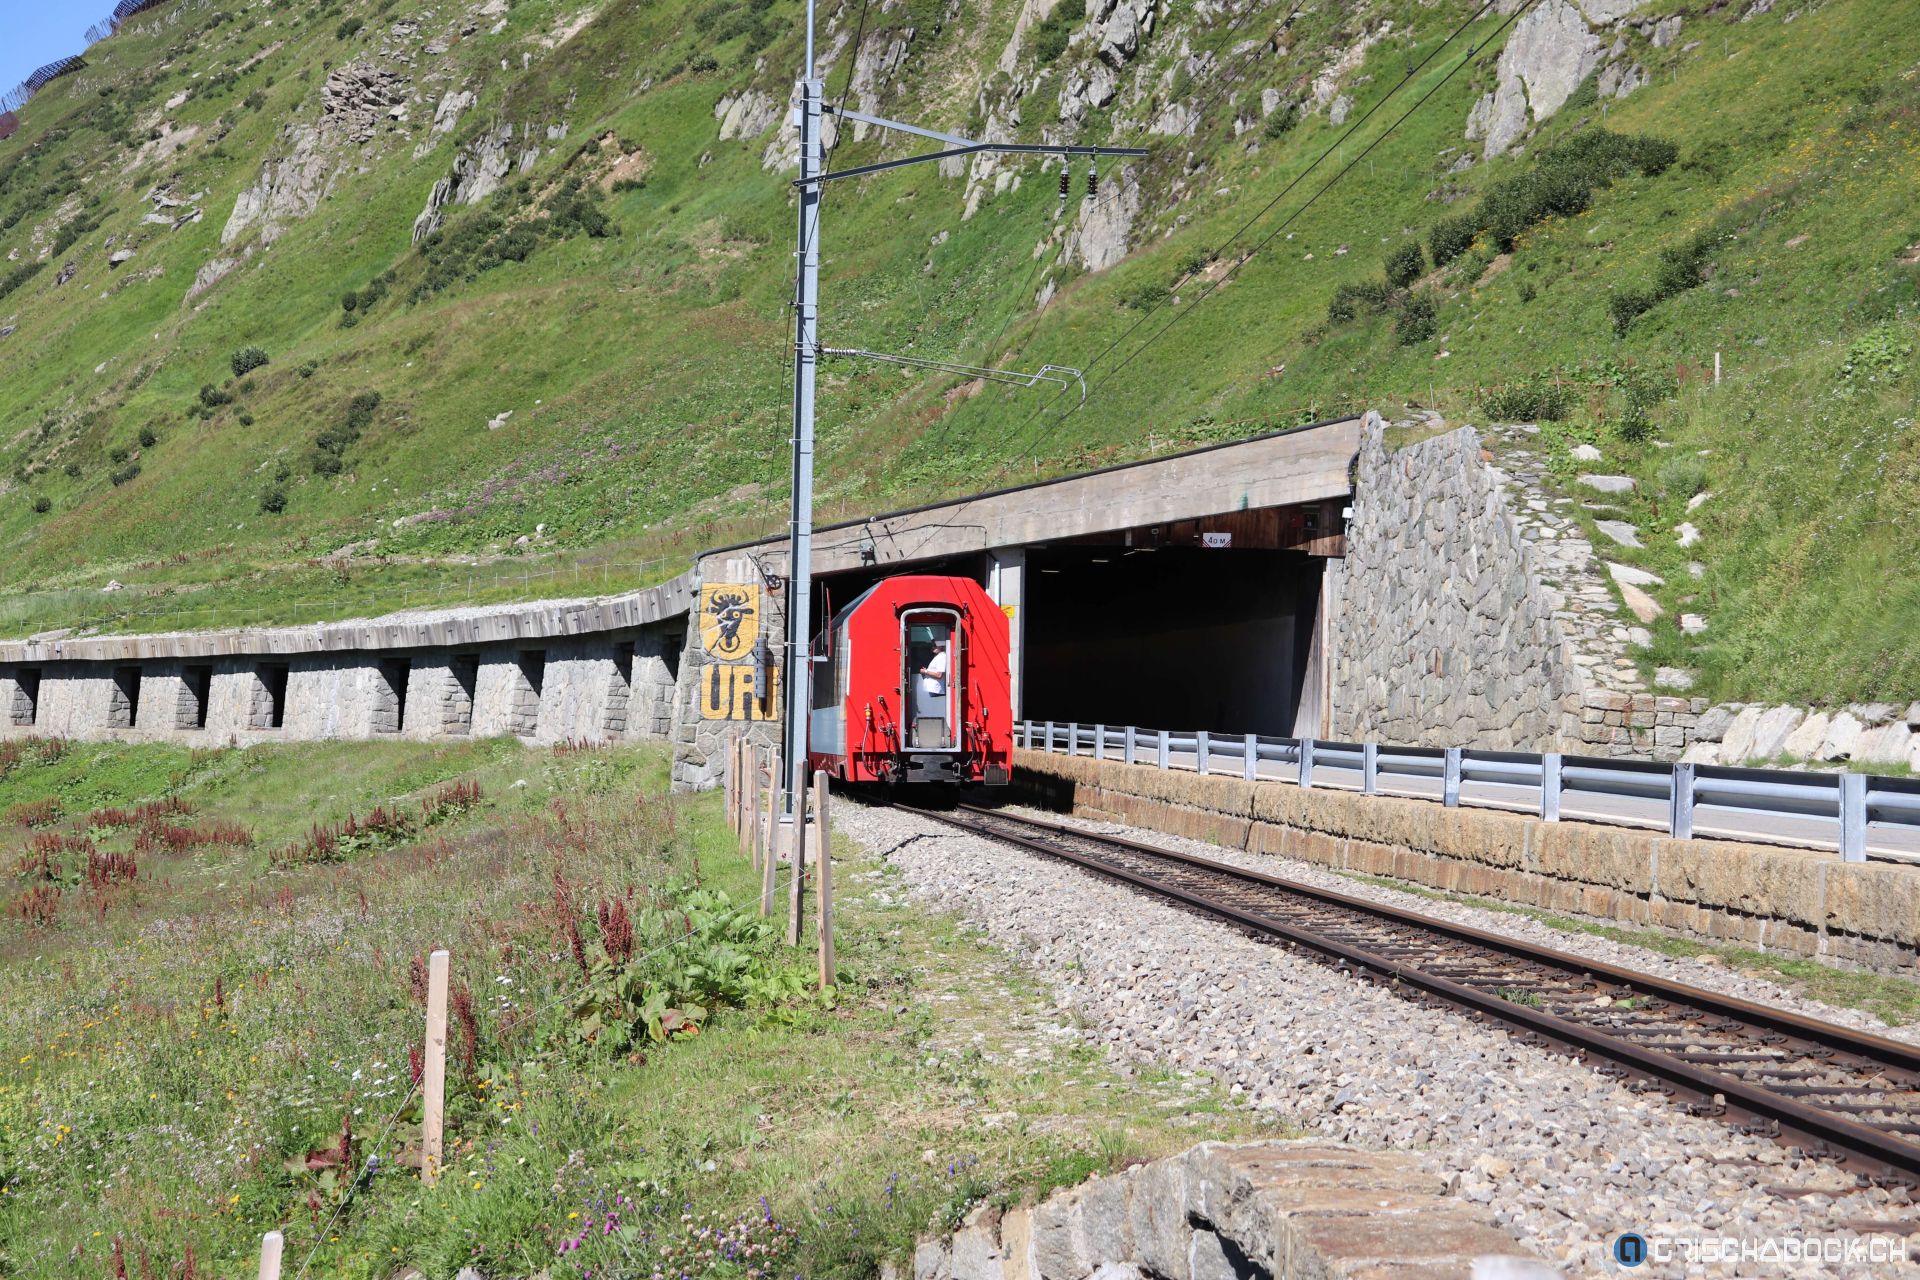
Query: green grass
x=179, y=1044
x=646, y=370
x=1893, y=1000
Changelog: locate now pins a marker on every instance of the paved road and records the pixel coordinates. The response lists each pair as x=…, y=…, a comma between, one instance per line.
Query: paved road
x=1898, y=842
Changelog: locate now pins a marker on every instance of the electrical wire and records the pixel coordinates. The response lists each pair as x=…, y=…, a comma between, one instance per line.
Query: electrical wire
x=1023, y=433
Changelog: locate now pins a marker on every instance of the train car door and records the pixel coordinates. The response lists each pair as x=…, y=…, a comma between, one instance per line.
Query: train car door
x=930, y=648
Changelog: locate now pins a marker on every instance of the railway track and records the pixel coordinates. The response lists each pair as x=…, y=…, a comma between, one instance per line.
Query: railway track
x=1834, y=1093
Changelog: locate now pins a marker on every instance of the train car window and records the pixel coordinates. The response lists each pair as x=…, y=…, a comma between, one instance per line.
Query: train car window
x=930, y=668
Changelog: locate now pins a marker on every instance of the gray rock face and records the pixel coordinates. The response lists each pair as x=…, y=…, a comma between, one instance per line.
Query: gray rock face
x=1889, y=744
x=1620, y=531
x=356, y=101
x=1550, y=51
x=1118, y=26
x=1608, y=484
x=1713, y=723
x=209, y=275
x=875, y=63
x=747, y=115
x=1771, y=731
x=1106, y=223
x=1804, y=743
x=1842, y=736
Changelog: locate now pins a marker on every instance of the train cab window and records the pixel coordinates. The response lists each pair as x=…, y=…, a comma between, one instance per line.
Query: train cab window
x=932, y=662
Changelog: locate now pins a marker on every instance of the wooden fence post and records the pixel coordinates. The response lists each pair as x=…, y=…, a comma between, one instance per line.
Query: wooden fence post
x=271, y=1246
x=770, y=858
x=433, y=1075
x=755, y=829
x=829, y=971
x=797, y=861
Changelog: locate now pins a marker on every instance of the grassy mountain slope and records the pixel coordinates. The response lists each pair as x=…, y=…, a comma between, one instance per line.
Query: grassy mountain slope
x=645, y=367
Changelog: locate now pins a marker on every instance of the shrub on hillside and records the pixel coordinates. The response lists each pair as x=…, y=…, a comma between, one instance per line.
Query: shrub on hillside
x=1406, y=264
x=1050, y=38
x=348, y=29
x=246, y=360
x=1541, y=398
x=1682, y=477
x=148, y=438
x=1418, y=320
x=1627, y=305
x=1148, y=295
x=273, y=500
x=213, y=397
x=1560, y=184
x=1349, y=300
x=1452, y=237
x=125, y=474
x=72, y=469
x=1281, y=122
x=42, y=505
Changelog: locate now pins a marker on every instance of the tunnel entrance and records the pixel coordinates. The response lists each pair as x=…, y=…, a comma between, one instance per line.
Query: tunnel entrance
x=1173, y=638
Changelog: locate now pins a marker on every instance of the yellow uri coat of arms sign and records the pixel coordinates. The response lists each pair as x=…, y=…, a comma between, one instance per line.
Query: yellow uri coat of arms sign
x=730, y=683
x=729, y=620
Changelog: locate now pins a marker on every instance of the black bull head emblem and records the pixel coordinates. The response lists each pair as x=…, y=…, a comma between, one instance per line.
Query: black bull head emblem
x=729, y=611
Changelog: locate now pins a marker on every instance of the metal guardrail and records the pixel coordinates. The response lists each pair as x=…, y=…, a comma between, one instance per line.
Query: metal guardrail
x=1859, y=815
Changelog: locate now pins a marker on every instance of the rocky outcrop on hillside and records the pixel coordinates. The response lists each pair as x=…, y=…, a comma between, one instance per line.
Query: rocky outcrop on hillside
x=357, y=100
x=1551, y=51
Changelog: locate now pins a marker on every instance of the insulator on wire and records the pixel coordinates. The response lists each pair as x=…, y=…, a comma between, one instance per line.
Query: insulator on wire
x=1066, y=178
x=1093, y=180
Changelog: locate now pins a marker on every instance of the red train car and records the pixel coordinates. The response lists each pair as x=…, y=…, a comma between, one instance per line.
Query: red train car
x=910, y=685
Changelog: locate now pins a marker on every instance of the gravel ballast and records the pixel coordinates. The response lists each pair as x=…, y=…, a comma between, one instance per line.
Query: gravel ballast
x=1564, y=1158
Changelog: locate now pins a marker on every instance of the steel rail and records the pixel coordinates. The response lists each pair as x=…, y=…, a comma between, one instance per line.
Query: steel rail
x=1872, y=1149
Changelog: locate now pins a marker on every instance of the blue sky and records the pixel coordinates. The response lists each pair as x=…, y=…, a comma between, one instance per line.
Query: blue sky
x=35, y=32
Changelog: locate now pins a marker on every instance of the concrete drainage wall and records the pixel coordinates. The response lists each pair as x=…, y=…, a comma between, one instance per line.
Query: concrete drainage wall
x=1758, y=895
x=1303, y=1210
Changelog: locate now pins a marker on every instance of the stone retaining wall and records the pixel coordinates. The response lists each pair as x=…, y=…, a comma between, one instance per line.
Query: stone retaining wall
x=1758, y=895
x=560, y=671
x=1303, y=1210
x=1469, y=613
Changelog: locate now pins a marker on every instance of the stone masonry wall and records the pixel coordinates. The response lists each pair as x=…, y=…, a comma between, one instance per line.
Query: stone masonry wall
x=581, y=698
x=1467, y=612
x=1757, y=895
x=1284, y=1210
x=1443, y=635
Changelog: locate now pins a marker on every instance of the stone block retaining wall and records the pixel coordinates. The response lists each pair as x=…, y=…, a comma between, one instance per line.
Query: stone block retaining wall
x=1302, y=1210
x=1757, y=895
x=561, y=672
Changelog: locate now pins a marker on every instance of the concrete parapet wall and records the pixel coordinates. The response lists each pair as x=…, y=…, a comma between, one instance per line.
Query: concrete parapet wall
x=1300, y=1210
x=1756, y=895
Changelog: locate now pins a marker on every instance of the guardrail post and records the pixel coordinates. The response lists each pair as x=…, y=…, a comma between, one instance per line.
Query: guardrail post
x=1680, y=809
x=1369, y=768
x=1073, y=738
x=1306, y=762
x=1099, y=742
x=1550, y=786
x=1162, y=754
x=1049, y=735
x=1450, y=784
x=1250, y=759
x=1200, y=750
x=1853, y=817
x=1130, y=744
x=1026, y=734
